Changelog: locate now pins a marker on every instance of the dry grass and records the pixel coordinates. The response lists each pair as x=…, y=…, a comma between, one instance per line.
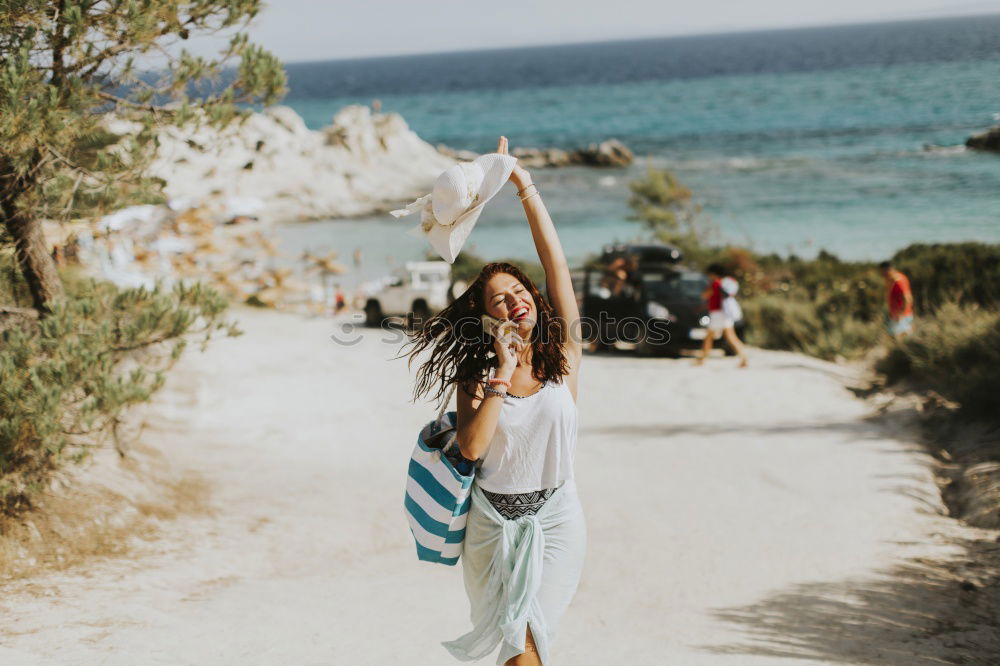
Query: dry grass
x=100, y=509
x=972, y=468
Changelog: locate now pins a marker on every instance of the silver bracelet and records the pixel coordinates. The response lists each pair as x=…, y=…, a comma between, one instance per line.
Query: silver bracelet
x=490, y=389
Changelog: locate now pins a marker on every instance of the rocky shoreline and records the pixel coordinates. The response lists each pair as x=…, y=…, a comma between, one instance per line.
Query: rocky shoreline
x=988, y=140
x=282, y=171
x=610, y=153
x=275, y=168
x=228, y=189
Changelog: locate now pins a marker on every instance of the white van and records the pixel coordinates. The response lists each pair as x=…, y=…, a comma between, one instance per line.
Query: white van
x=416, y=291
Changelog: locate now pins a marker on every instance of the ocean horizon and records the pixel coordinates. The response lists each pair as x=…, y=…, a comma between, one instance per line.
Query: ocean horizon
x=842, y=138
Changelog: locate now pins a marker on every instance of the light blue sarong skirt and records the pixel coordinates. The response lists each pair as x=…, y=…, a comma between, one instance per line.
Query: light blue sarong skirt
x=520, y=572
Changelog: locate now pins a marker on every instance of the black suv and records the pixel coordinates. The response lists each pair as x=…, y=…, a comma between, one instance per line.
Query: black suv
x=644, y=295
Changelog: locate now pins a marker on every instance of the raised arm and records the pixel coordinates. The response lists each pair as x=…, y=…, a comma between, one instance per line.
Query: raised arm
x=558, y=283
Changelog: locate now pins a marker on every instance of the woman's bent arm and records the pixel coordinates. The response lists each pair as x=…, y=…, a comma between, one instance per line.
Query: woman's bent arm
x=477, y=421
x=478, y=414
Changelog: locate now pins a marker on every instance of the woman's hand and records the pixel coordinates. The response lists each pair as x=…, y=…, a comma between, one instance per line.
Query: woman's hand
x=507, y=353
x=519, y=176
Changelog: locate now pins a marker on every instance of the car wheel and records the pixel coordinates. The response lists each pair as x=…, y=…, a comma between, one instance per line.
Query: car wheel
x=373, y=314
x=644, y=349
x=418, y=315
x=672, y=352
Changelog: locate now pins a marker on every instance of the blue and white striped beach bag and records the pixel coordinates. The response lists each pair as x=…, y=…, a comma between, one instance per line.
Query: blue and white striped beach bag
x=438, y=495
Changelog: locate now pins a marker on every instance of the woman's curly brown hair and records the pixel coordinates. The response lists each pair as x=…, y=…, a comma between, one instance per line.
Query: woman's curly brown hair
x=462, y=352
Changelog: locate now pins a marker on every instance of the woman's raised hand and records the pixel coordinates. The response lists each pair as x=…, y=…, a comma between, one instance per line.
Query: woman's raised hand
x=519, y=176
x=507, y=352
x=508, y=345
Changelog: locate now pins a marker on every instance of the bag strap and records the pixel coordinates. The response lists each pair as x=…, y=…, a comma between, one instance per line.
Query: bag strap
x=447, y=401
x=444, y=406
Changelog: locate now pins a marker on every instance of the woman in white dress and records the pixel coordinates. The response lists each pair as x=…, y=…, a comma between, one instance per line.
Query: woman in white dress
x=517, y=419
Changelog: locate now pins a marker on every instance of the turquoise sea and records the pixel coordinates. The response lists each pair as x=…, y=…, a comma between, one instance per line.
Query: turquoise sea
x=847, y=139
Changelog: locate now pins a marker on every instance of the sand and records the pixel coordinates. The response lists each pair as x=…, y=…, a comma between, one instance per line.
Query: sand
x=735, y=517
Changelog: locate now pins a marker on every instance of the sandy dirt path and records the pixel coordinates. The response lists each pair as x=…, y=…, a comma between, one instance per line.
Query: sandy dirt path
x=735, y=517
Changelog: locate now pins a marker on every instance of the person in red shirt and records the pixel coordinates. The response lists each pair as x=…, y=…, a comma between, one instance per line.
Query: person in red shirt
x=720, y=322
x=900, y=299
x=339, y=301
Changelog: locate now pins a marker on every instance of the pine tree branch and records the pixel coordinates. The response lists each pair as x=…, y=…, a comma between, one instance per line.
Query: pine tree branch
x=98, y=59
x=59, y=44
x=141, y=345
x=72, y=194
x=69, y=163
x=154, y=108
x=123, y=43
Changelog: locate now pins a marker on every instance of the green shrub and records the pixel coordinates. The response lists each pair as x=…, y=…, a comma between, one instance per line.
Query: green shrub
x=943, y=273
x=468, y=264
x=65, y=383
x=831, y=308
x=956, y=353
x=13, y=290
x=796, y=324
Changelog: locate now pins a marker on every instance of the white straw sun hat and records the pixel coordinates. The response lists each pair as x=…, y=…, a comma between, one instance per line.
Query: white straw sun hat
x=449, y=212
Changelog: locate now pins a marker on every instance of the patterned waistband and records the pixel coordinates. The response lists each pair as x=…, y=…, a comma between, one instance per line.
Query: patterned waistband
x=518, y=505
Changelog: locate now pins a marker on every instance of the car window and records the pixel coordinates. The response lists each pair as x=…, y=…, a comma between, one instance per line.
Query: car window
x=428, y=279
x=683, y=286
x=594, y=286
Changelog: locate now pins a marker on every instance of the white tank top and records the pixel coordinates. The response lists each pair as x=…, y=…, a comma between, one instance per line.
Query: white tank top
x=534, y=443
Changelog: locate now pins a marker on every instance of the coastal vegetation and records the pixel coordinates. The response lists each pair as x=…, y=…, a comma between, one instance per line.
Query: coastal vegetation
x=835, y=309
x=67, y=380
x=76, y=352
x=830, y=308
x=69, y=69
x=468, y=264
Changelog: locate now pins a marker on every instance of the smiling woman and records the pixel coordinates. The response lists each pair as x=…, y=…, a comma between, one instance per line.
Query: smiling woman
x=511, y=352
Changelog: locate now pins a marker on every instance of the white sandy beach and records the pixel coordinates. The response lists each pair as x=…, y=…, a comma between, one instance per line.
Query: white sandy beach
x=735, y=517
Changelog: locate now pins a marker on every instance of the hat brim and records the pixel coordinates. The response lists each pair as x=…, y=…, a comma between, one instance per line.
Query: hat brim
x=447, y=240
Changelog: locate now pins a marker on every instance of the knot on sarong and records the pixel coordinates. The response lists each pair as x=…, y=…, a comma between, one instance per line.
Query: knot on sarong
x=524, y=546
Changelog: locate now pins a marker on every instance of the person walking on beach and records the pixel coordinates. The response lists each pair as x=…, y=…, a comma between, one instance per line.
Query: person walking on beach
x=339, y=300
x=900, y=300
x=525, y=535
x=721, y=314
x=730, y=306
x=615, y=276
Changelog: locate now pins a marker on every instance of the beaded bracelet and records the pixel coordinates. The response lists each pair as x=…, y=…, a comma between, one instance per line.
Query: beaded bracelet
x=497, y=380
x=490, y=389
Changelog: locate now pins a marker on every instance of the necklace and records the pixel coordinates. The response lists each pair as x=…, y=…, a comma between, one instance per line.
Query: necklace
x=511, y=395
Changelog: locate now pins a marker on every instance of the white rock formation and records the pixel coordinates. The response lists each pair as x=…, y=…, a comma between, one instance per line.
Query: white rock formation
x=363, y=163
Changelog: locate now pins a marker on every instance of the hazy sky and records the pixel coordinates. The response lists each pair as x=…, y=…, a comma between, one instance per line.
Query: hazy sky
x=323, y=29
